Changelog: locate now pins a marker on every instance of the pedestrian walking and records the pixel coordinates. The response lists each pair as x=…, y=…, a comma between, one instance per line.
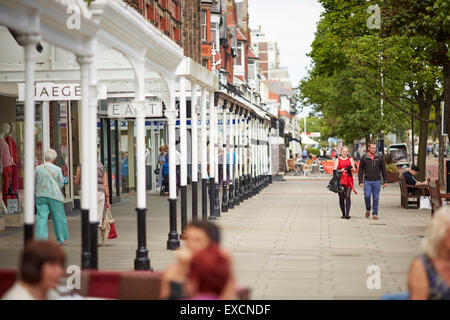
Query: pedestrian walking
x=429, y=274
x=49, y=198
x=103, y=197
x=161, y=160
x=346, y=166
x=372, y=168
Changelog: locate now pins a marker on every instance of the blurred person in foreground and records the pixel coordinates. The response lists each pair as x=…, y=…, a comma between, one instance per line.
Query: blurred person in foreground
x=41, y=268
x=429, y=273
x=209, y=273
x=198, y=235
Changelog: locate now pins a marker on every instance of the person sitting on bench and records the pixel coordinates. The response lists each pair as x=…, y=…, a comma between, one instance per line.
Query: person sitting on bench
x=411, y=180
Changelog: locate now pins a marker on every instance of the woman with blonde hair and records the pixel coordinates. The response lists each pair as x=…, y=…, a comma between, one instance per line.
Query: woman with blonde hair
x=429, y=273
x=345, y=165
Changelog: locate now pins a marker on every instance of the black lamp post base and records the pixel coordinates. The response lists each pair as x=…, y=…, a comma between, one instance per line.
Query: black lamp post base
x=85, y=240
x=173, y=242
x=216, y=200
x=194, y=201
x=236, y=192
x=212, y=199
x=183, y=208
x=224, y=197
x=231, y=196
x=142, y=262
x=204, y=200
x=27, y=232
x=94, y=245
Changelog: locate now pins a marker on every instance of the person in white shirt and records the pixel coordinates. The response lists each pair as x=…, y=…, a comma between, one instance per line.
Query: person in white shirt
x=41, y=268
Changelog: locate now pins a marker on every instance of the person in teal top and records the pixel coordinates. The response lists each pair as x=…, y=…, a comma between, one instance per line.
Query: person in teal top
x=49, y=198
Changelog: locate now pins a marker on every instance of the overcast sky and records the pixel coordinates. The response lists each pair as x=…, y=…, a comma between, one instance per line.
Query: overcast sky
x=293, y=24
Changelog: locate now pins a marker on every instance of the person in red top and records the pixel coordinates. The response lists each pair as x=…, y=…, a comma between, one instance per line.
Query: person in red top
x=346, y=166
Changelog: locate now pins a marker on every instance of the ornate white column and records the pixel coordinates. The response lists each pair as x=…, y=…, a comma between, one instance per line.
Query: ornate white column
x=212, y=155
x=171, y=113
x=30, y=41
x=86, y=216
x=141, y=262
x=204, y=157
x=183, y=152
x=194, y=152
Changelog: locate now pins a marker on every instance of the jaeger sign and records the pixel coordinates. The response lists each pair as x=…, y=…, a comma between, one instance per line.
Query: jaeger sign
x=47, y=91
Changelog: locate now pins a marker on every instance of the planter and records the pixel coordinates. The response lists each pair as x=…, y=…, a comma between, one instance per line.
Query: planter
x=392, y=177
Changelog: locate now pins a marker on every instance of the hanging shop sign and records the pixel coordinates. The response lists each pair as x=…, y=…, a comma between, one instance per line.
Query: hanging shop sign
x=126, y=109
x=48, y=91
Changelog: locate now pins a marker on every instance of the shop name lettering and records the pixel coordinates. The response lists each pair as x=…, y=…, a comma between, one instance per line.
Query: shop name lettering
x=128, y=110
x=243, y=309
x=57, y=91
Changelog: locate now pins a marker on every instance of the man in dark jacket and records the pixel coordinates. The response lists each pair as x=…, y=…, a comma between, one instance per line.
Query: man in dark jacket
x=411, y=180
x=371, y=168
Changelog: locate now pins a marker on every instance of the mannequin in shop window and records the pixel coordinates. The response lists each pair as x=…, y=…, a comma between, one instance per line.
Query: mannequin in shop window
x=7, y=162
x=15, y=157
x=2, y=204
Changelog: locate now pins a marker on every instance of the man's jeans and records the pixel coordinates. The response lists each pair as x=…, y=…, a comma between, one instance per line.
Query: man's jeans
x=372, y=187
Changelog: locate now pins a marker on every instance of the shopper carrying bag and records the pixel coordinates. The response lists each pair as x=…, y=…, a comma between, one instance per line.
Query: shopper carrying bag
x=108, y=227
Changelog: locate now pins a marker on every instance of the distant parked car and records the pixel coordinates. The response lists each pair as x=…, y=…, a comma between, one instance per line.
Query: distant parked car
x=399, y=152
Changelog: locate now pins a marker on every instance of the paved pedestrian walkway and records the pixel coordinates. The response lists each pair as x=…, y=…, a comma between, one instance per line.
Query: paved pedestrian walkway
x=288, y=242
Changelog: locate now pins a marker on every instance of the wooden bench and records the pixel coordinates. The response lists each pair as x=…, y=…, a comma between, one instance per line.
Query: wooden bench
x=405, y=196
x=122, y=285
x=436, y=196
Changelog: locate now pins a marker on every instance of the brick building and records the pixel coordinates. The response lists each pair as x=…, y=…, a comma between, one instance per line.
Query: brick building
x=164, y=14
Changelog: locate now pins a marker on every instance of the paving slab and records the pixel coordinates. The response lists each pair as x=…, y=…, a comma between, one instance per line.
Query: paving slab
x=288, y=242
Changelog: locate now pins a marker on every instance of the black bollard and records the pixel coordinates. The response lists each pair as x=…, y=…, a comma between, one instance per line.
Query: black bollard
x=142, y=262
x=27, y=232
x=194, y=201
x=212, y=197
x=204, y=200
x=173, y=242
x=94, y=246
x=224, y=196
x=236, y=192
x=183, y=209
x=231, y=195
x=85, y=240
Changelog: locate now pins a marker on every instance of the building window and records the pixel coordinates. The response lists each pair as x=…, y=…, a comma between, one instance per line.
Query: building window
x=204, y=26
x=214, y=36
x=251, y=69
x=205, y=63
x=239, y=54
